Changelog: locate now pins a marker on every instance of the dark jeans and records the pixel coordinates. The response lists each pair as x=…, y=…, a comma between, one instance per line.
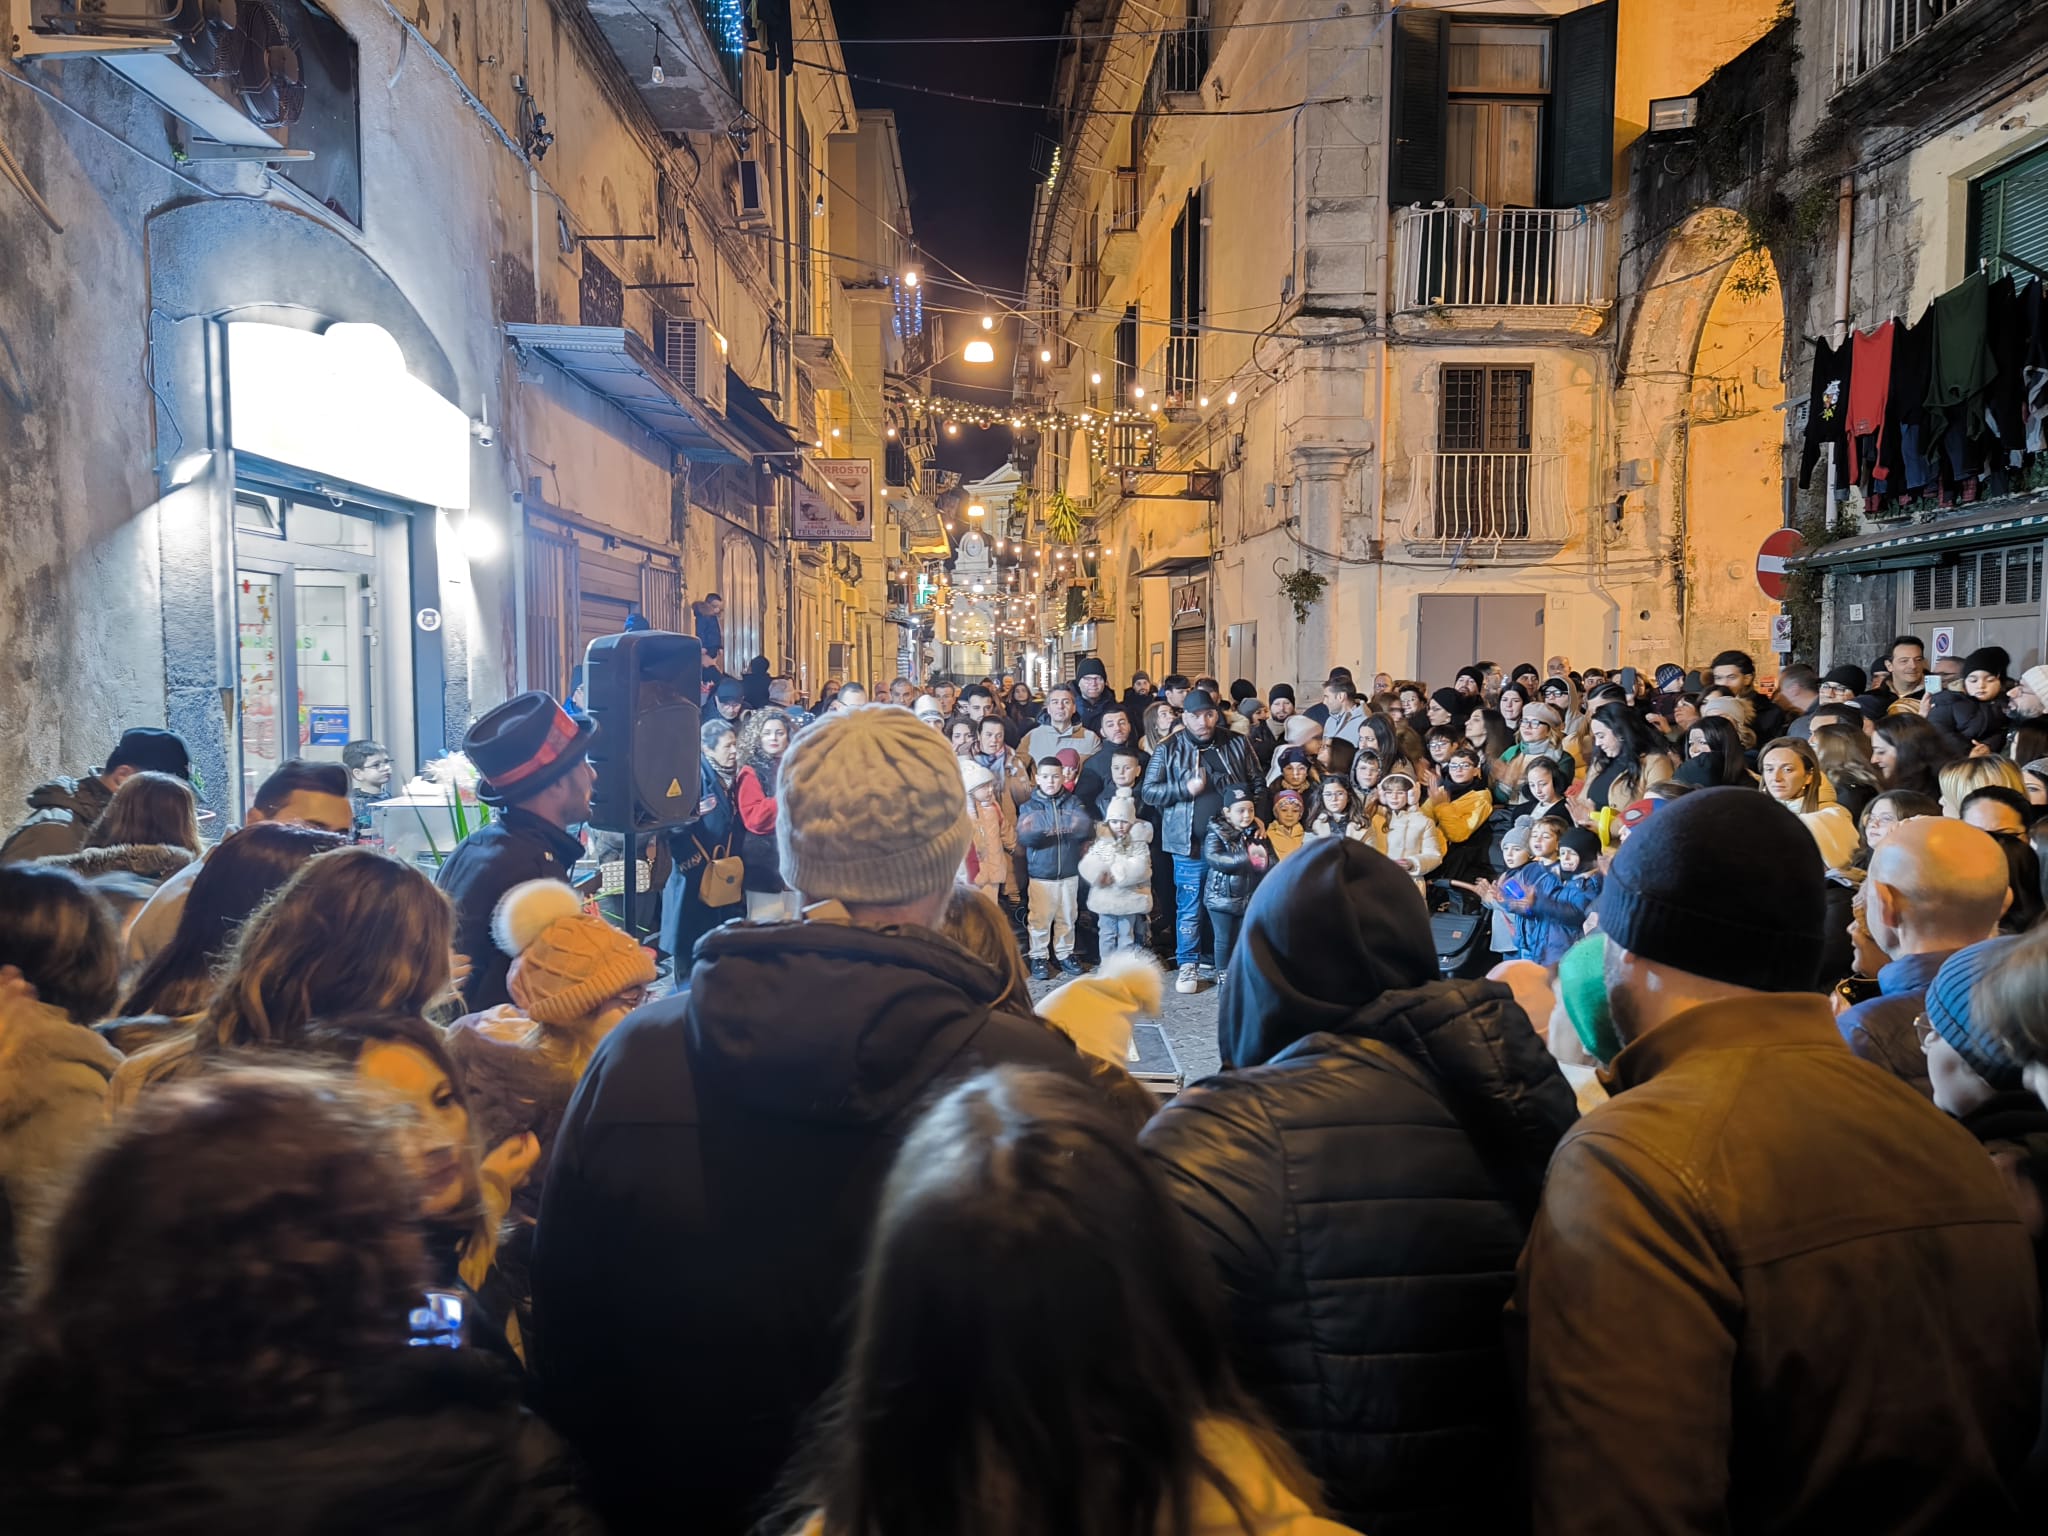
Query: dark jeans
x=1188, y=876
x=1225, y=926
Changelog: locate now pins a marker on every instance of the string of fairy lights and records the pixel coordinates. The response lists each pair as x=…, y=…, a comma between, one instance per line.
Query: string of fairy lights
x=1120, y=427
x=1014, y=610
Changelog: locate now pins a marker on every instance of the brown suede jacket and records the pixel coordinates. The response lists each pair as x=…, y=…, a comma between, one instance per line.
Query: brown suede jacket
x=1770, y=1288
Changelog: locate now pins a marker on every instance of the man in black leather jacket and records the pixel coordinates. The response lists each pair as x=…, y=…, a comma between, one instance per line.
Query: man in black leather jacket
x=1364, y=1181
x=1185, y=782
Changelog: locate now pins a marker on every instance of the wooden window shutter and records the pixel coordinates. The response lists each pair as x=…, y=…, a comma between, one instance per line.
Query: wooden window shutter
x=1581, y=157
x=1420, y=107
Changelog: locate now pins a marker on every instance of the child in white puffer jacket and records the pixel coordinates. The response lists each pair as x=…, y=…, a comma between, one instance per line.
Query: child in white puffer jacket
x=1116, y=871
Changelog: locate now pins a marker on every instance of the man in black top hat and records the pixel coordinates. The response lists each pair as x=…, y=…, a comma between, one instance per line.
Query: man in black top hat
x=534, y=767
x=62, y=812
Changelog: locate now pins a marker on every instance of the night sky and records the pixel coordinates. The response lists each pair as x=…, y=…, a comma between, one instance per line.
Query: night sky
x=969, y=166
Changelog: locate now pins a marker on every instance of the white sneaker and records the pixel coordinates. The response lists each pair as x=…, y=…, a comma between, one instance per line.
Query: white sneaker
x=1190, y=979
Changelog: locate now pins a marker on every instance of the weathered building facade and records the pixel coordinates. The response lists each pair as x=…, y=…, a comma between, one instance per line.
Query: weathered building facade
x=1368, y=269
x=346, y=401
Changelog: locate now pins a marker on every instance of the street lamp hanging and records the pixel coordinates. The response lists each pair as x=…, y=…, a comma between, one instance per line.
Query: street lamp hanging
x=979, y=352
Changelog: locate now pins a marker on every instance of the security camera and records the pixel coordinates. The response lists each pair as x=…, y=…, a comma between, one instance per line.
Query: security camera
x=483, y=432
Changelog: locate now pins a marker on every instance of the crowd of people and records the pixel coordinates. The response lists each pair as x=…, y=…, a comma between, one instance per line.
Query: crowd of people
x=1633, y=1116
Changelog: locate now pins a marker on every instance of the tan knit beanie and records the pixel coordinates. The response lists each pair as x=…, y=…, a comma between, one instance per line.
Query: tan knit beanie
x=564, y=961
x=871, y=810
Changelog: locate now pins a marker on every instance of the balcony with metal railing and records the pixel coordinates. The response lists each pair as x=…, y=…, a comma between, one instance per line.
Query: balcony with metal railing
x=1539, y=268
x=1172, y=378
x=1914, y=61
x=1867, y=32
x=1163, y=123
x=1472, y=506
x=824, y=339
x=1119, y=255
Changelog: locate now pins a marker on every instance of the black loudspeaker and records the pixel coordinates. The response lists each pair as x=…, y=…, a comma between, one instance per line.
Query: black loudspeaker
x=644, y=689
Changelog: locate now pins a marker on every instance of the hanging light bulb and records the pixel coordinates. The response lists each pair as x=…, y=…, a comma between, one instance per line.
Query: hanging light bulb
x=1137, y=391
x=657, y=75
x=1205, y=402
x=910, y=278
x=890, y=433
x=952, y=430
x=1045, y=354
x=988, y=322
x=835, y=431
x=1095, y=378
x=1231, y=398
x=979, y=352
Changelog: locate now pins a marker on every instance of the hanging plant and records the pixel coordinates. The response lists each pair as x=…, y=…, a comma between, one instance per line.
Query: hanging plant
x=1062, y=518
x=1304, y=588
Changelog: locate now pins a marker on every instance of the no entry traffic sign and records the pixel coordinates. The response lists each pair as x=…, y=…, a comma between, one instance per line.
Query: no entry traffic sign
x=1770, y=561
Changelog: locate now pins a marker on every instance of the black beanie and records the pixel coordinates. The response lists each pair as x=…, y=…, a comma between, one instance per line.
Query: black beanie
x=1723, y=883
x=1091, y=666
x=1280, y=691
x=1583, y=841
x=1853, y=678
x=1240, y=690
x=1988, y=658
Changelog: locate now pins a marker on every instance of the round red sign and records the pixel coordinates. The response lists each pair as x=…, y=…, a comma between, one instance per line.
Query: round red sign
x=1780, y=547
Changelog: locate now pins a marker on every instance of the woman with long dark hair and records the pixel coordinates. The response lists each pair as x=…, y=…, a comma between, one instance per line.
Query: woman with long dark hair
x=697, y=849
x=1909, y=753
x=1626, y=756
x=264, y=1378
x=763, y=739
x=970, y=1404
x=238, y=877
x=1714, y=755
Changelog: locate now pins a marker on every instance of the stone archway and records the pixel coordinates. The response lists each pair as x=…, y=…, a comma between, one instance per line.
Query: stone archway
x=1699, y=439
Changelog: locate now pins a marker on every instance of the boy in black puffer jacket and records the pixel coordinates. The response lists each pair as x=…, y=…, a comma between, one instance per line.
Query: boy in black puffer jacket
x=1238, y=857
x=1054, y=829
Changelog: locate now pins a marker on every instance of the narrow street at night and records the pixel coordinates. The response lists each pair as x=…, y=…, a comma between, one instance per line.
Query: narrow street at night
x=1061, y=768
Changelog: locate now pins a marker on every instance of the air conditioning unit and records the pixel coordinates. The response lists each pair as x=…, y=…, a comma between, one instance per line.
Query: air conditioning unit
x=233, y=70
x=694, y=355
x=752, y=195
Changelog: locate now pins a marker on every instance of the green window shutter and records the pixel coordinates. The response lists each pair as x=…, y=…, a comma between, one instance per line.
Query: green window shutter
x=1580, y=165
x=2009, y=216
x=1420, y=107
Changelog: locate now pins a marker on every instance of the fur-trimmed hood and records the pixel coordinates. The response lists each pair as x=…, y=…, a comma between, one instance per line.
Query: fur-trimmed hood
x=1097, y=1011
x=152, y=861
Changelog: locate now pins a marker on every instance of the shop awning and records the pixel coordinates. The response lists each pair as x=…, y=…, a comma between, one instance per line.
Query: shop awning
x=1175, y=566
x=1913, y=544
x=924, y=531
x=748, y=415
x=613, y=362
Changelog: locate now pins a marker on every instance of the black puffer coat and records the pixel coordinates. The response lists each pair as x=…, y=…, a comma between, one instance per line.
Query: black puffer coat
x=1364, y=1183
x=708, y=1203
x=435, y=1445
x=1234, y=868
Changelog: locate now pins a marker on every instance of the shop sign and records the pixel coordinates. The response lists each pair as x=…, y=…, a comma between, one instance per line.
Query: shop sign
x=850, y=515
x=340, y=405
x=1188, y=600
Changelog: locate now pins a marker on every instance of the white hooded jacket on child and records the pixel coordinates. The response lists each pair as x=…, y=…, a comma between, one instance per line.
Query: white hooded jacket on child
x=1413, y=834
x=1128, y=861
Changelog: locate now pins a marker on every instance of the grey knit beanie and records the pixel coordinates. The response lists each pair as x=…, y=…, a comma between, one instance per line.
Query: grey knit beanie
x=871, y=809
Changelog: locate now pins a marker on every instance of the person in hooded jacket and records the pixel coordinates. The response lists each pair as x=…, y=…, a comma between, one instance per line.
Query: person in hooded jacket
x=1363, y=1179
x=710, y=1193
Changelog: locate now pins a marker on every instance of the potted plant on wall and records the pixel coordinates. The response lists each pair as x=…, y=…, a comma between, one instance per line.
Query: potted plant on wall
x=1303, y=587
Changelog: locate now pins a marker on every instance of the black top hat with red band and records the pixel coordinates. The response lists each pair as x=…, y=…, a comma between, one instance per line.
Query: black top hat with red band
x=523, y=746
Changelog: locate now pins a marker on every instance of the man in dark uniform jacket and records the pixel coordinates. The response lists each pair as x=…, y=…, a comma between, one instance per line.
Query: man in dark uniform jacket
x=533, y=763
